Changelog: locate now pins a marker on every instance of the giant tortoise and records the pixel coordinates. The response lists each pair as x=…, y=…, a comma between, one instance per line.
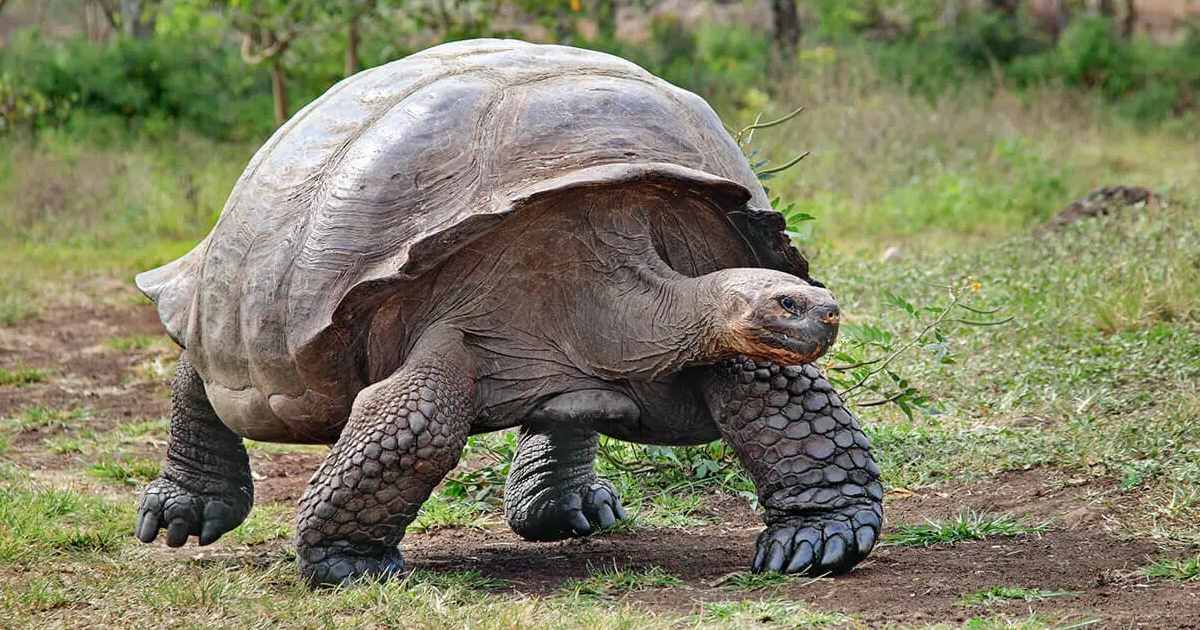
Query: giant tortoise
x=493, y=234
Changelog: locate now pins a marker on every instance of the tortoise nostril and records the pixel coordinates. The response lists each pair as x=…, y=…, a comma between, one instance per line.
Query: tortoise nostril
x=827, y=313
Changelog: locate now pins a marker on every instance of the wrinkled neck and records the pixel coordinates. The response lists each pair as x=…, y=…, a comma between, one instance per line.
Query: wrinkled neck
x=686, y=316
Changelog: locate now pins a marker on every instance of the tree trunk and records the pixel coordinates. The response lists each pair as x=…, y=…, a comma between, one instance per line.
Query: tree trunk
x=1129, y=23
x=1059, y=17
x=606, y=19
x=786, y=23
x=279, y=89
x=1008, y=7
x=352, y=63
x=136, y=21
x=1106, y=8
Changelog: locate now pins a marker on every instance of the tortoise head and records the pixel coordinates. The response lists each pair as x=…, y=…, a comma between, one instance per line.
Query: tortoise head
x=773, y=316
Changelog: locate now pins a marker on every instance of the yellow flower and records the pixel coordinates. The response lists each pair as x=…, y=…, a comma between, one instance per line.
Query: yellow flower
x=975, y=286
x=576, y=6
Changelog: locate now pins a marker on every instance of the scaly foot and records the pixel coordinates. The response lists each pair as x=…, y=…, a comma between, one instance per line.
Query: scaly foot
x=168, y=505
x=831, y=542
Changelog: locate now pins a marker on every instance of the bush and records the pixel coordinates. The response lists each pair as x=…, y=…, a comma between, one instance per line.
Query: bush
x=147, y=83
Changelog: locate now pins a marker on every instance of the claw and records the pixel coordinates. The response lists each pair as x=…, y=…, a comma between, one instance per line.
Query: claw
x=579, y=523
x=835, y=551
x=216, y=515
x=802, y=557
x=865, y=538
x=775, y=557
x=619, y=511
x=605, y=514
x=760, y=555
x=147, y=529
x=177, y=533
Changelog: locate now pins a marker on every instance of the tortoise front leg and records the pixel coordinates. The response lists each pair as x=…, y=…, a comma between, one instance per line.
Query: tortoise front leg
x=404, y=434
x=809, y=460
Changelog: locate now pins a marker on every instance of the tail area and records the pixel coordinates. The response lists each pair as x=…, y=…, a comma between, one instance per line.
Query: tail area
x=172, y=288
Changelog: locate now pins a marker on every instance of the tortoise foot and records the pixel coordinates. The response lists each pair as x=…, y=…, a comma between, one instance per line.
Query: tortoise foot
x=334, y=565
x=169, y=505
x=574, y=513
x=816, y=544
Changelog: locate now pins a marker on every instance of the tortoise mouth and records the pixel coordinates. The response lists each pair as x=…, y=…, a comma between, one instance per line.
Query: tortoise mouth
x=803, y=343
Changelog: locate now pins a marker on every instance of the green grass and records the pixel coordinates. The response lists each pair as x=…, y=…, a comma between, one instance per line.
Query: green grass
x=615, y=581
x=131, y=472
x=15, y=307
x=21, y=376
x=266, y=523
x=1177, y=569
x=138, y=342
x=39, y=417
x=40, y=522
x=768, y=614
x=965, y=527
x=1005, y=594
x=442, y=512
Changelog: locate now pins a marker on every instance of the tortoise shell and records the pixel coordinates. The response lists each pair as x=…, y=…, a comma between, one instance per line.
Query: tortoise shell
x=393, y=170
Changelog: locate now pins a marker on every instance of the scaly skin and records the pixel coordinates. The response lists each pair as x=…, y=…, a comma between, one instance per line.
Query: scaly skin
x=809, y=460
x=205, y=487
x=552, y=490
x=404, y=434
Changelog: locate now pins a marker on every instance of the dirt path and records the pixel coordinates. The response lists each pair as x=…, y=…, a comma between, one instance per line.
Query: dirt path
x=897, y=585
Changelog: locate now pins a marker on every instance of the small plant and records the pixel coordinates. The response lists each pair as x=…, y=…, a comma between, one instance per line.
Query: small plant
x=967, y=526
x=1176, y=569
x=18, y=377
x=614, y=581
x=15, y=309
x=1003, y=594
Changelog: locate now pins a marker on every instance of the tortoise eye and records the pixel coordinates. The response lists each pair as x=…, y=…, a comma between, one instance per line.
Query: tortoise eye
x=789, y=304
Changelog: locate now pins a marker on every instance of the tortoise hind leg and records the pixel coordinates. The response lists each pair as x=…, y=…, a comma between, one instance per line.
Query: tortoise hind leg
x=205, y=487
x=552, y=491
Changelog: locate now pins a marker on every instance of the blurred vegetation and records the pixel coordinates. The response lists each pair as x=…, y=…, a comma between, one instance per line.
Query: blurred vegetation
x=220, y=67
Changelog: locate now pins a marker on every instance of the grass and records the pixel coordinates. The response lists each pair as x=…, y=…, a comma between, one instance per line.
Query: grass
x=265, y=524
x=442, y=512
x=965, y=527
x=1005, y=594
x=746, y=581
x=132, y=472
x=1177, y=569
x=616, y=581
x=38, y=417
x=21, y=376
x=138, y=342
x=38, y=522
x=768, y=614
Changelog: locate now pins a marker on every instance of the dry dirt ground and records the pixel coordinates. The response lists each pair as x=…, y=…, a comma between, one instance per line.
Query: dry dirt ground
x=897, y=585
